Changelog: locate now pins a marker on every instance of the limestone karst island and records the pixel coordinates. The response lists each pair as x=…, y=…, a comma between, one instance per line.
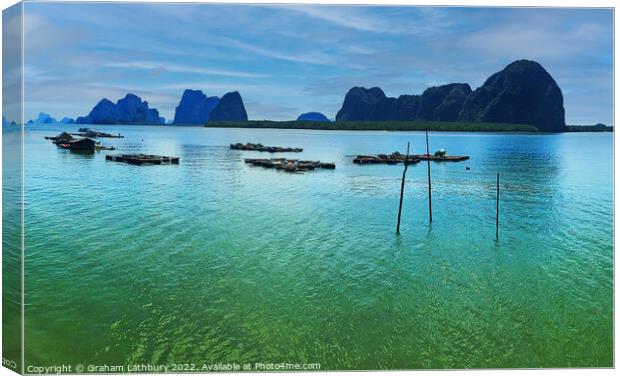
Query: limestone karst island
x=521, y=97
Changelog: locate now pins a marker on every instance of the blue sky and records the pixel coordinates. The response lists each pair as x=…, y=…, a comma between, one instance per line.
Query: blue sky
x=290, y=59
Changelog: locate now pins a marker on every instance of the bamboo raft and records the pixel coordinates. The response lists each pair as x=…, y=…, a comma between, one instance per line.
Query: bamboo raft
x=391, y=159
x=289, y=165
x=441, y=158
x=81, y=144
x=260, y=147
x=67, y=141
x=140, y=159
x=87, y=132
x=396, y=158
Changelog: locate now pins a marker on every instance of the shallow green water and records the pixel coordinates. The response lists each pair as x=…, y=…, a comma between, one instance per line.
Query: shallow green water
x=217, y=261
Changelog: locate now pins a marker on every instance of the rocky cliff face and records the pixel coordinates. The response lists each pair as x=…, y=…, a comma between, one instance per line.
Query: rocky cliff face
x=134, y=110
x=104, y=112
x=312, y=116
x=361, y=104
x=194, y=107
x=229, y=108
x=406, y=107
x=523, y=92
x=443, y=103
x=129, y=110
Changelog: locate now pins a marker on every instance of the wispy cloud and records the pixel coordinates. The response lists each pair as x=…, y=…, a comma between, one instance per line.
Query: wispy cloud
x=534, y=37
x=353, y=18
x=162, y=66
x=344, y=17
x=316, y=58
x=366, y=19
x=360, y=50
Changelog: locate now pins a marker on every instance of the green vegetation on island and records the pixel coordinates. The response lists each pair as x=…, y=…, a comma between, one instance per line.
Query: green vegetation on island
x=377, y=126
x=589, y=128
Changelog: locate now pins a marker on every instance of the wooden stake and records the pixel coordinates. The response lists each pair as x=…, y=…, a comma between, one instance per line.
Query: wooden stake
x=497, y=210
x=402, y=190
x=428, y=168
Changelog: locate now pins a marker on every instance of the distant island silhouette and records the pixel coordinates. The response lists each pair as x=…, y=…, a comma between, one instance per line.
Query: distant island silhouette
x=521, y=97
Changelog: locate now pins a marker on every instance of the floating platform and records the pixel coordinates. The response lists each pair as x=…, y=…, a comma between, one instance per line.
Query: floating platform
x=394, y=158
x=82, y=144
x=260, y=147
x=87, y=132
x=140, y=159
x=442, y=158
x=397, y=157
x=61, y=138
x=100, y=147
x=290, y=165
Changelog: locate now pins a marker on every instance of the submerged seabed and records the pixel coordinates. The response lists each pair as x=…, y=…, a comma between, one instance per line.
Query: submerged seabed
x=213, y=260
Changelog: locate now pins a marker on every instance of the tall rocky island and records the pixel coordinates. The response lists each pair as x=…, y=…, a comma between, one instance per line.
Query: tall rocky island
x=230, y=108
x=196, y=108
x=129, y=110
x=522, y=93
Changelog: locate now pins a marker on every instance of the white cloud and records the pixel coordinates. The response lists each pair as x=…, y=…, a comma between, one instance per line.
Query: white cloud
x=533, y=38
x=392, y=22
x=317, y=58
x=149, y=65
x=350, y=17
x=344, y=17
x=42, y=36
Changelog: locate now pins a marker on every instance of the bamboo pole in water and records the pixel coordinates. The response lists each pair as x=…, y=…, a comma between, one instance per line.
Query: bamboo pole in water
x=402, y=190
x=428, y=168
x=497, y=210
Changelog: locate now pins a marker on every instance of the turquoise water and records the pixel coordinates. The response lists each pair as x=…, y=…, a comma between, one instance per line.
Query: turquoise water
x=214, y=261
x=11, y=247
